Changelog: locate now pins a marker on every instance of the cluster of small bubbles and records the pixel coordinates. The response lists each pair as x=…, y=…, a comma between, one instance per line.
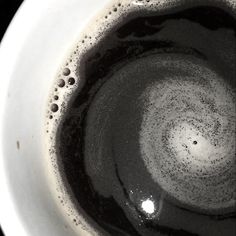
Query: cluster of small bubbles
x=115, y=9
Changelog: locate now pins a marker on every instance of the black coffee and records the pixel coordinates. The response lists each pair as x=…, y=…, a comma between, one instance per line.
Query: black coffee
x=142, y=122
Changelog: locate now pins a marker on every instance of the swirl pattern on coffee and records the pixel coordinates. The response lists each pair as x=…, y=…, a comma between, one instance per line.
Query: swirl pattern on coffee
x=187, y=137
x=141, y=121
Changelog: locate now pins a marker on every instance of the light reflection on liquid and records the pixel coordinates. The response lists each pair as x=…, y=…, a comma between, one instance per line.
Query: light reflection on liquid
x=148, y=206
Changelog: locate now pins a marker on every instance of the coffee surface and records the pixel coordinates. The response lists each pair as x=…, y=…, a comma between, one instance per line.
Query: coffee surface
x=141, y=122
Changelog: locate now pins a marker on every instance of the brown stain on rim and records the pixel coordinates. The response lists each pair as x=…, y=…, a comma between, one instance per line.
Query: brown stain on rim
x=18, y=144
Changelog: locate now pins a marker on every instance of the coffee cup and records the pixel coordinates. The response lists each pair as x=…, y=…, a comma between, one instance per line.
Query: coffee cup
x=118, y=118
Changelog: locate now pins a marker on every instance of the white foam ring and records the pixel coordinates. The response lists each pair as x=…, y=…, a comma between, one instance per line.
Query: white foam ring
x=175, y=116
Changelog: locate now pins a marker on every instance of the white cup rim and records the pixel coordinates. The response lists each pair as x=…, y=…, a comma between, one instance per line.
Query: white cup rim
x=16, y=41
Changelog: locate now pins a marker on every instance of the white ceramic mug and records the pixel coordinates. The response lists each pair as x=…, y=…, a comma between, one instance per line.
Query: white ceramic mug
x=36, y=42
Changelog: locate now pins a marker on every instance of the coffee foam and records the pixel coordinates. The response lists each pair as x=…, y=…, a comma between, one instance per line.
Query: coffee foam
x=187, y=133
x=69, y=80
x=187, y=137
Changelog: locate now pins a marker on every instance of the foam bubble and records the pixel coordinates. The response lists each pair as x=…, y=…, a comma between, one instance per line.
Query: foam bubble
x=71, y=81
x=66, y=71
x=61, y=83
x=54, y=107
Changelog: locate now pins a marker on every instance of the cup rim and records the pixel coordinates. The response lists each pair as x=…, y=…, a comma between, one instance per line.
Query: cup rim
x=16, y=40
x=8, y=214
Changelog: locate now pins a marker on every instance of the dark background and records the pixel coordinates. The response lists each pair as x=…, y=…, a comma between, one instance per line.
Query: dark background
x=7, y=11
